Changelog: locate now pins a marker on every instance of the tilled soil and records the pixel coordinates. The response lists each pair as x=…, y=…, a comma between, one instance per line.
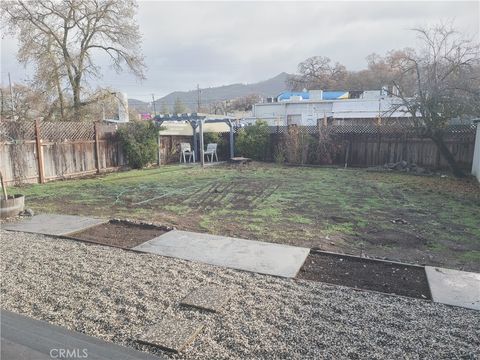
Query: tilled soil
x=119, y=234
x=366, y=274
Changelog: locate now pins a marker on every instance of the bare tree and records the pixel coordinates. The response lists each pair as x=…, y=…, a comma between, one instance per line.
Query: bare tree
x=439, y=83
x=29, y=103
x=318, y=72
x=69, y=33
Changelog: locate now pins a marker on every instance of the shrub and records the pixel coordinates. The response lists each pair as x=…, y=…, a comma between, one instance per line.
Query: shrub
x=139, y=140
x=223, y=151
x=279, y=155
x=298, y=145
x=252, y=141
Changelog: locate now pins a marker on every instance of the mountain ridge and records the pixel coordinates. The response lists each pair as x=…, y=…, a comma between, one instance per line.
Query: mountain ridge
x=265, y=88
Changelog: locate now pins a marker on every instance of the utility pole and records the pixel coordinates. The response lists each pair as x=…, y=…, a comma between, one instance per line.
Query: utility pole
x=11, y=97
x=1, y=104
x=154, y=108
x=198, y=98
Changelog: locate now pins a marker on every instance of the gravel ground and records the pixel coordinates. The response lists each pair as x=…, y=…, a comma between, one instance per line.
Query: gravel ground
x=116, y=295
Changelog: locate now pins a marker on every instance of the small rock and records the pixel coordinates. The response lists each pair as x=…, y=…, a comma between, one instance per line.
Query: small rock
x=27, y=212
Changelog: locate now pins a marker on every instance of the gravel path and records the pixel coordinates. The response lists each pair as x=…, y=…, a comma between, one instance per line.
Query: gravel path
x=115, y=295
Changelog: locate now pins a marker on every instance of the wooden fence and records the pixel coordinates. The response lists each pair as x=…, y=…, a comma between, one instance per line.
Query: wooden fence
x=33, y=152
x=359, y=145
x=39, y=151
x=371, y=145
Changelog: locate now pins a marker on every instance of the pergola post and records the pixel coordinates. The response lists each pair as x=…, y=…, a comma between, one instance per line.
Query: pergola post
x=202, y=157
x=193, y=124
x=232, y=147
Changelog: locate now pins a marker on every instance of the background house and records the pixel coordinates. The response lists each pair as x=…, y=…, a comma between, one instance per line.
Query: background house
x=338, y=107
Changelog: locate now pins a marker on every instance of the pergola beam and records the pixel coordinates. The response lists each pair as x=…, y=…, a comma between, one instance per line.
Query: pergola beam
x=195, y=120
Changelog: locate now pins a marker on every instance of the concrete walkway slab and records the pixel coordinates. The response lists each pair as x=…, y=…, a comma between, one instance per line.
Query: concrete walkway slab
x=172, y=334
x=24, y=338
x=454, y=287
x=210, y=298
x=53, y=224
x=254, y=256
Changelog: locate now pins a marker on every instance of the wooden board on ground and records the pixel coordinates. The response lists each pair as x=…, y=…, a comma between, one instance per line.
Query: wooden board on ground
x=240, y=160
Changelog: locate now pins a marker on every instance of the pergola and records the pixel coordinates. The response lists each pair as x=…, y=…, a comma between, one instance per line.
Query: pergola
x=197, y=120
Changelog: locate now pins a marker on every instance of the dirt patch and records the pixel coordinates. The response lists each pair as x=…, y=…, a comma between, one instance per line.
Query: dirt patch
x=120, y=234
x=366, y=274
x=398, y=238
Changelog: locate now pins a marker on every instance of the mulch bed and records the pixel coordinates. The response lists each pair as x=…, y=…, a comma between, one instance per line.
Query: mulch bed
x=122, y=234
x=366, y=274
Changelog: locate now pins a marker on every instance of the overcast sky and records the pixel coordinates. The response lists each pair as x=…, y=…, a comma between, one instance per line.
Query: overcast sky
x=219, y=43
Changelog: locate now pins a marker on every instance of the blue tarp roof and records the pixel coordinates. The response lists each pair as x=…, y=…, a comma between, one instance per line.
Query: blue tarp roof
x=288, y=94
x=327, y=95
x=333, y=95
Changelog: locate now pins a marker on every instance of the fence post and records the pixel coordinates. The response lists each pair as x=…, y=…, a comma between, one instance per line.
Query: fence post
x=38, y=143
x=232, y=139
x=97, y=148
x=159, y=162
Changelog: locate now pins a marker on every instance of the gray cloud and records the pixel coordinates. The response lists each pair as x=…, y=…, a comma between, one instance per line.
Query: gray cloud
x=217, y=43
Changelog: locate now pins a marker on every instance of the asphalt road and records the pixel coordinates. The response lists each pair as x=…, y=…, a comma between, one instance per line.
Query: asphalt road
x=23, y=338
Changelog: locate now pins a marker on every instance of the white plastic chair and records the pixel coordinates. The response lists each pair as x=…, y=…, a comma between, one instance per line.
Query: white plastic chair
x=212, y=151
x=186, y=151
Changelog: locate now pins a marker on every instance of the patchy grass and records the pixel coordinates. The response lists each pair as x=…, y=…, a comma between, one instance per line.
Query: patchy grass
x=332, y=209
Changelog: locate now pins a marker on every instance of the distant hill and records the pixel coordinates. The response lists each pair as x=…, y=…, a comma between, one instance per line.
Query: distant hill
x=268, y=88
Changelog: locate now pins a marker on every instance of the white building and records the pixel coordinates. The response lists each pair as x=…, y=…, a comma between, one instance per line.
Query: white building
x=307, y=108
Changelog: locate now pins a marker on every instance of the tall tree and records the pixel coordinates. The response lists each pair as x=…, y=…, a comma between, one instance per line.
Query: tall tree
x=70, y=33
x=164, y=109
x=179, y=107
x=438, y=83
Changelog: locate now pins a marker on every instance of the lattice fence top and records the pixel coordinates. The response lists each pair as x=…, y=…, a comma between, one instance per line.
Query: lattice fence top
x=372, y=129
x=396, y=129
x=66, y=130
x=13, y=131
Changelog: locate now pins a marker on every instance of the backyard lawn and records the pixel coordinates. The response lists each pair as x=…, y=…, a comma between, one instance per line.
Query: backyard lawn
x=426, y=220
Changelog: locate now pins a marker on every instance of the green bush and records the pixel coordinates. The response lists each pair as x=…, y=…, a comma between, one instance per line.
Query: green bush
x=252, y=141
x=223, y=150
x=139, y=140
